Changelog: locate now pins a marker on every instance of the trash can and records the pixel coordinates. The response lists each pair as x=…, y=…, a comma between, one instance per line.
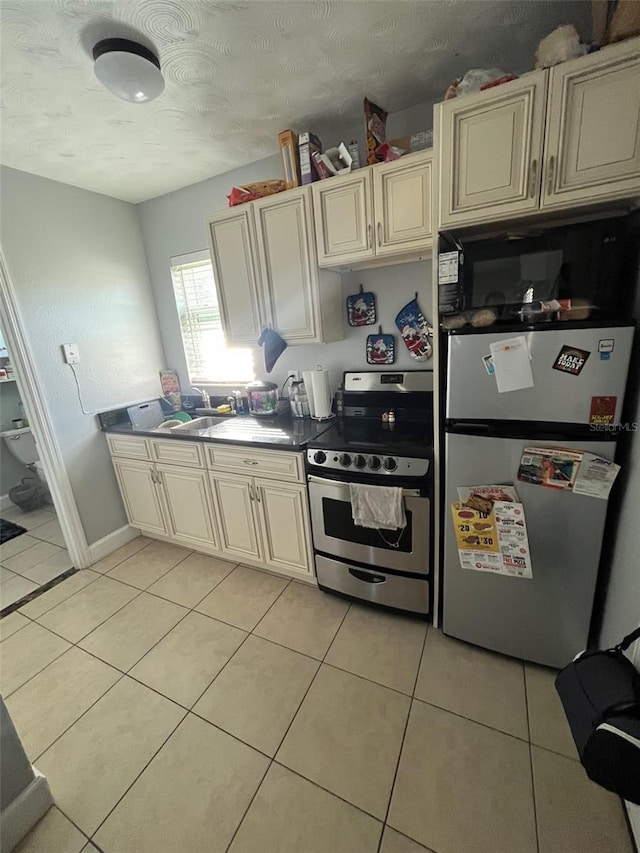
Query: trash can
x=29, y=494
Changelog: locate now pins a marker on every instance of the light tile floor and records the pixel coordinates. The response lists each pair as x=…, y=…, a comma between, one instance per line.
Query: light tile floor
x=31, y=560
x=178, y=703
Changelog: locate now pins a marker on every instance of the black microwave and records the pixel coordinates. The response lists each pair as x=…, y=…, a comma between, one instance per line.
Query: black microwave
x=593, y=261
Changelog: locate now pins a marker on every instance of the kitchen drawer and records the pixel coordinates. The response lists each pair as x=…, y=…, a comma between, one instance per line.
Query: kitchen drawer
x=277, y=464
x=178, y=452
x=129, y=446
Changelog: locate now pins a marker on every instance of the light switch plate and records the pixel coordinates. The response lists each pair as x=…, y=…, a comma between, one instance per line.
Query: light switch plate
x=71, y=353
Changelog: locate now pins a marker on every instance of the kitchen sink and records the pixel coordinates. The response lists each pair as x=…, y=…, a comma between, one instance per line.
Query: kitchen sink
x=199, y=423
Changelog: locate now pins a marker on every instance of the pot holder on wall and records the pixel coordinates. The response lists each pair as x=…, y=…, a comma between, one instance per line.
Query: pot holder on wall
x=415, y=330
x=381, y=349
x=361, y=308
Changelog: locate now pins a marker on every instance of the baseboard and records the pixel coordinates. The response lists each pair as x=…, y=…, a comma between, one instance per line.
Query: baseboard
x=24, y=812
x=112, y=542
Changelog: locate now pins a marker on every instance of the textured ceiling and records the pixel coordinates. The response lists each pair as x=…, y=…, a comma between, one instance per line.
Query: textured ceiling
x=237, y=72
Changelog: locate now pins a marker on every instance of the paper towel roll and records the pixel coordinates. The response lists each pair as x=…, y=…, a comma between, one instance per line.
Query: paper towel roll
x=307, y=378
x=321, y=393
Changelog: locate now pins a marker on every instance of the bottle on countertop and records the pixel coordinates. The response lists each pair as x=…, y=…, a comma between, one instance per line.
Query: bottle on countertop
x=339, y=400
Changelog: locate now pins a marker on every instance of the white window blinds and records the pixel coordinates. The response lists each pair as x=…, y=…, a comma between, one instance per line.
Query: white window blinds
x=209, y=359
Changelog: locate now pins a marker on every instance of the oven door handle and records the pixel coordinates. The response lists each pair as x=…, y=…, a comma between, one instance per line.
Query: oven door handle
x=326, y=481
x=367, y=577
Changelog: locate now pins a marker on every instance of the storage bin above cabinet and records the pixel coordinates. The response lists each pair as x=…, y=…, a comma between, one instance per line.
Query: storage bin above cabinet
x=267, y=274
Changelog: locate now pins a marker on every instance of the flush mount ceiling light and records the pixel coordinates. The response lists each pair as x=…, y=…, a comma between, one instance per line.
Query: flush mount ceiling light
x=129, y=70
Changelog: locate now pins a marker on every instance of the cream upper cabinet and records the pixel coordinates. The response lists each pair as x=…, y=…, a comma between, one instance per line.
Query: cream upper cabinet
x=140, y=495
x=231, y=241
x=491, y=150
x=267, y=272
x=284, y=517
x=284, y=229
x=402, y=204
x=188, y=508
x=234, y=497
x=343, y=209
x=592, y=149
x=376, y=212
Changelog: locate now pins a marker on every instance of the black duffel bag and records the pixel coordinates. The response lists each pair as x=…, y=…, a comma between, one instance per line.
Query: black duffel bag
x=600, y=692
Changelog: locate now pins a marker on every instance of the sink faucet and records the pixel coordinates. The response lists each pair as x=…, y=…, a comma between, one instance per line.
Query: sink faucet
x=206, y=400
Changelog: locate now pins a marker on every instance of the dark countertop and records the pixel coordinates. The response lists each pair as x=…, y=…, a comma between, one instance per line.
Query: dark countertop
x=276, y=432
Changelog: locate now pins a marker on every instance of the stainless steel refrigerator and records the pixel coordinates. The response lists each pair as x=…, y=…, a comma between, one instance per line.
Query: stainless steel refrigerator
x=544, y=618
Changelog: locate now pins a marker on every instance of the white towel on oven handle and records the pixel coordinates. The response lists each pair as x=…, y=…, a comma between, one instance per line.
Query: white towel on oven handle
x=377, y=507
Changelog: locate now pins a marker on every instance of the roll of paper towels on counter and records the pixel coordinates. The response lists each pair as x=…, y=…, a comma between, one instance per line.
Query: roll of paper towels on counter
x=307, y=378
x=321, y=393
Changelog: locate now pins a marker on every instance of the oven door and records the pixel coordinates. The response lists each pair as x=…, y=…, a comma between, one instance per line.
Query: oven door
x=335, y=534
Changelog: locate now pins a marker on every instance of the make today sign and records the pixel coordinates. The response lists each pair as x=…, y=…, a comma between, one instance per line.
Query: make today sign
x=571, y=360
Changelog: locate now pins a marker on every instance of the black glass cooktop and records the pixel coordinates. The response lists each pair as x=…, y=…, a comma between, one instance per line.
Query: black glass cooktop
x=370, y=435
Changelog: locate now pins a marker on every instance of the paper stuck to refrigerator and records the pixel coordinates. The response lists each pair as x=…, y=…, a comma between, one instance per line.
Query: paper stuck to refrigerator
x=496, y=542
x=512, y=364
x=595, y=477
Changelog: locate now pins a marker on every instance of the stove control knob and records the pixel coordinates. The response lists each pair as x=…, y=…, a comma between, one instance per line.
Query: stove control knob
x=374, y=463
x=319, y=457
x=359, y=461
x=390, y=464
x=345, y=459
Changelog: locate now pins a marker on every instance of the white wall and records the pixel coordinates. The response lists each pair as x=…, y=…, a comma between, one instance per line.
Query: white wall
x=78, y=268
x=174, y=224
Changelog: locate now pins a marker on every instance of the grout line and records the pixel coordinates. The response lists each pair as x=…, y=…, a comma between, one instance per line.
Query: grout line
x=187, y=712
x=333, y=794
x=404, y=735
x=533, y=782
x=53, y=606
x=248, y=634
x=272, y=760
x=71, y=725
x=129, y=787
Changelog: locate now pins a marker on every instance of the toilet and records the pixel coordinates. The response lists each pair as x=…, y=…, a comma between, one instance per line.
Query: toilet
x=22, y=445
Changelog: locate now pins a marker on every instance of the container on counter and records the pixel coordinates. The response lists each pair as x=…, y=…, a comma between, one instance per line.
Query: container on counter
x=263, y=398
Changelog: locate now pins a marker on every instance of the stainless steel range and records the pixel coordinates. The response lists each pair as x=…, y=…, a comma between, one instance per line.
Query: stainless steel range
x=385, y=567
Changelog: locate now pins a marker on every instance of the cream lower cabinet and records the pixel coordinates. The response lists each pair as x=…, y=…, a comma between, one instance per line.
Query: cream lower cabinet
x=284, y=519
x=167, y=500
x=188, y=507
x=263, y=520
x=201, y=497
x=234, y=496
x=139, y=490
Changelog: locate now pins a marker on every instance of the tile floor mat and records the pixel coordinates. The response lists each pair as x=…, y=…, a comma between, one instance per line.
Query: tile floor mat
x=37, y=592
x=254, y=721
x=9, y=530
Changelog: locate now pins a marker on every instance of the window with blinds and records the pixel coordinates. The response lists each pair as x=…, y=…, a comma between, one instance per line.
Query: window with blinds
x=209, y=359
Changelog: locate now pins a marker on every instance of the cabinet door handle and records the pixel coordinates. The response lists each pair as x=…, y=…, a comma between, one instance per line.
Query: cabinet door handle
x=379, y=233
x=153, y=476
x=552, y=163
x=258, y=498
x=533, y=174
x=159, y=481
x=370, y=235
x=250, y=461
x=251, y=497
